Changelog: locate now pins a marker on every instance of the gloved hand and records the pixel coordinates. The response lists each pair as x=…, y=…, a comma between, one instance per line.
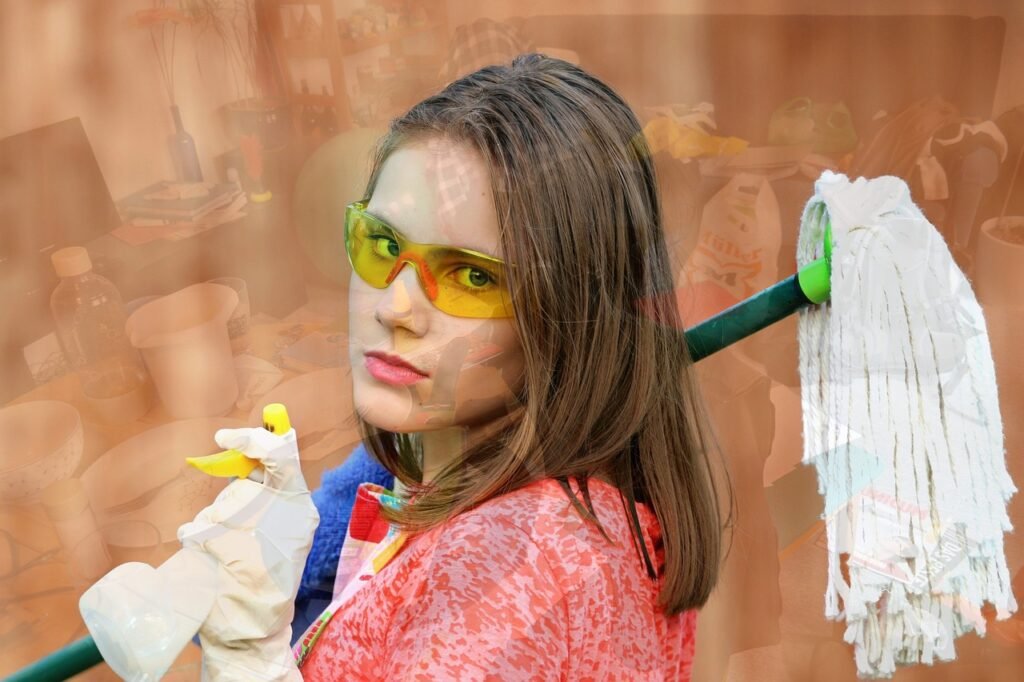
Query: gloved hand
x=259, y=532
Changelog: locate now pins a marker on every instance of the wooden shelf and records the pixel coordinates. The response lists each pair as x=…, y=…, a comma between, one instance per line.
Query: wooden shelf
x=302, y=48
x=350, y=47
x=330, y=46
x=310, y=48
x=299, y=98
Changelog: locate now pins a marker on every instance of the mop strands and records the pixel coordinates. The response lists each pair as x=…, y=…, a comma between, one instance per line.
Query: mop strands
x=901, y=419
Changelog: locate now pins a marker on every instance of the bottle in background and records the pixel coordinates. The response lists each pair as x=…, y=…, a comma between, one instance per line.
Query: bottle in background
x=90, y=320
x=67, y=505
x=310, y=116
x=328, y=118
x=183, y=151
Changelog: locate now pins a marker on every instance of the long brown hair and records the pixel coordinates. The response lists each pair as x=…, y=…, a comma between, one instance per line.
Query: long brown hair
x=609, y=385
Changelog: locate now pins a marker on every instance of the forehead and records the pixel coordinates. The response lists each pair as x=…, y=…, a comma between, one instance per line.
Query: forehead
x=438, y=192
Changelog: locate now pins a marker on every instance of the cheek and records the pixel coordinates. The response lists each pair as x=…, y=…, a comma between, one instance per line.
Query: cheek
x=505, y=352
x=362, y=303
x=491, y=372
x=363, y=329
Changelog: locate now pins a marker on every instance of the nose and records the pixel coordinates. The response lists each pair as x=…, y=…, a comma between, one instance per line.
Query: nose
x=404, y=302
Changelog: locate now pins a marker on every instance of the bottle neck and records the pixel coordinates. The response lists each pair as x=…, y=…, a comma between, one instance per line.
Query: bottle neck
x=176, y=113
x=76, y=277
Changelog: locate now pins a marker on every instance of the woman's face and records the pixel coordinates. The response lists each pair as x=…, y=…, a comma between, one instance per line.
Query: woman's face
x=433, y=192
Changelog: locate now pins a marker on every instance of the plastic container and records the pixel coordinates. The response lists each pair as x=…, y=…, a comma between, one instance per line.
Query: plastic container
x=184, y=340
x=43, y=442
x=146, y=478
x=68, y=508
x=999, y=264
x=90, y=320
x=239, y=322
x=141, y=617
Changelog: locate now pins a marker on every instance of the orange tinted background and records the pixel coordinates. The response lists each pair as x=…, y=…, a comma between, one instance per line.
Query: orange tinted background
x=927, y=91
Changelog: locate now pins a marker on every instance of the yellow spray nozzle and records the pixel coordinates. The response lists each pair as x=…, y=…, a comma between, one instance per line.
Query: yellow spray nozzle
x=225, y=464
x=234, y=462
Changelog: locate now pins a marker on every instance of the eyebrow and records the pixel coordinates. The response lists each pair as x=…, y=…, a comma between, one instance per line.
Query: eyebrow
x=401, y=234
x=385, y=223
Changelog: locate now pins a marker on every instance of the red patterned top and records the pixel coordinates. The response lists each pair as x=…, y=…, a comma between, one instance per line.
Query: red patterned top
x=520, y=588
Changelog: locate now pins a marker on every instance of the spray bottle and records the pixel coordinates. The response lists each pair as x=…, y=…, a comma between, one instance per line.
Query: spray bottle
x=141, y=617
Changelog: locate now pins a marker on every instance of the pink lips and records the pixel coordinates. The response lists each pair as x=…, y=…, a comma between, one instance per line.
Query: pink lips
x=384, y=368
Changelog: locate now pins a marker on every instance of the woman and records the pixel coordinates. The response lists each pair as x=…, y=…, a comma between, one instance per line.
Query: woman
x=517, y=364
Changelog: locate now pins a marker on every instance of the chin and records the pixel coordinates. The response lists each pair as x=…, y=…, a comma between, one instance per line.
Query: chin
x=396, y=408
x=391, y=408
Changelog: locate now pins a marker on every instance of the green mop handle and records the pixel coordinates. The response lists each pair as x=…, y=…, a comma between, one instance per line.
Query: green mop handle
x=62, y=664
x=811, y=285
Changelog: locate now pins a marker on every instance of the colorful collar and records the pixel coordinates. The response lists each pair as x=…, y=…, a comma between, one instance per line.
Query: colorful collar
x=370, y=544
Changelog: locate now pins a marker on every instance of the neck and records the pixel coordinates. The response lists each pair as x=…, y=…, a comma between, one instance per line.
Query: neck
x=441, y=446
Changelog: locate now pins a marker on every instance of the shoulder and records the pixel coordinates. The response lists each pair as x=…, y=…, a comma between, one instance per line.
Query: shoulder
x=534, y=536
x=498, y=535
x=541, y=500
x=531, y=535
x=539, y=514
x=540, y=520
x=544, y=511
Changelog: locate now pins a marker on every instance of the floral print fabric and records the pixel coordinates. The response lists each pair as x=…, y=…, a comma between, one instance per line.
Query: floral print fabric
x=519, y=588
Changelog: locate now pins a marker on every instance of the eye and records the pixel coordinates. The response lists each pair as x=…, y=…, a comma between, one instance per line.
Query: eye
x=384, y=246
x=473, y=278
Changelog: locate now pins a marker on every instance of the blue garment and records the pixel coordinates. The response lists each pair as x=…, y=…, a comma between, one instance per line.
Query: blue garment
x=333, y=500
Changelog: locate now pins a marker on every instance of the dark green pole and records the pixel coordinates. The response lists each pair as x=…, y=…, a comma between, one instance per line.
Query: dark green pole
x=745, y=318
x=62, y=664
x=812, y=285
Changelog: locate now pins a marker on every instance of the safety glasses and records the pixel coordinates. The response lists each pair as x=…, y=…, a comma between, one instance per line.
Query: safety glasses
x=460, y=282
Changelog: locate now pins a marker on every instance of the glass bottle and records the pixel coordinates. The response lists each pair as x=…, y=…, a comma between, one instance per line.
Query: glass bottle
x=310, y=116
x=90, y=321
x=328, y=119
x=183, y=151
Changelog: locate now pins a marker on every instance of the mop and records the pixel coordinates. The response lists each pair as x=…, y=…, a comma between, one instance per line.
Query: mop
x=901, y=420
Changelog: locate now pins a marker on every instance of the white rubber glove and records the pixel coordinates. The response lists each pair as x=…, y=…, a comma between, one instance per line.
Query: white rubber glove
x=260, y=534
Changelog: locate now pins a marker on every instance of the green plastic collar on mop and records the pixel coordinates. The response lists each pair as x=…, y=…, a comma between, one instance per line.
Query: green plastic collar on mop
x=816, y=278
x=812, y=284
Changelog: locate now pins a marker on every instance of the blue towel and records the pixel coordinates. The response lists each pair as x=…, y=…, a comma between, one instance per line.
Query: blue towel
x=333, y=499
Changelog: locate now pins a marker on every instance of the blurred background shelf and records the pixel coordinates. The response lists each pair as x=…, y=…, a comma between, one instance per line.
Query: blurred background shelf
x=389, y=38
x=370, y=75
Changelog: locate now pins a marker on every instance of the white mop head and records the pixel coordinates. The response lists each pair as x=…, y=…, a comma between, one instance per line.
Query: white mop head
x=901, y=419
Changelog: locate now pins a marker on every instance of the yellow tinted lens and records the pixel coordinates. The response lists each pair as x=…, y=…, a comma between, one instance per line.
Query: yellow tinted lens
x=468, y=285
x=459, y=282
x=372, y=249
